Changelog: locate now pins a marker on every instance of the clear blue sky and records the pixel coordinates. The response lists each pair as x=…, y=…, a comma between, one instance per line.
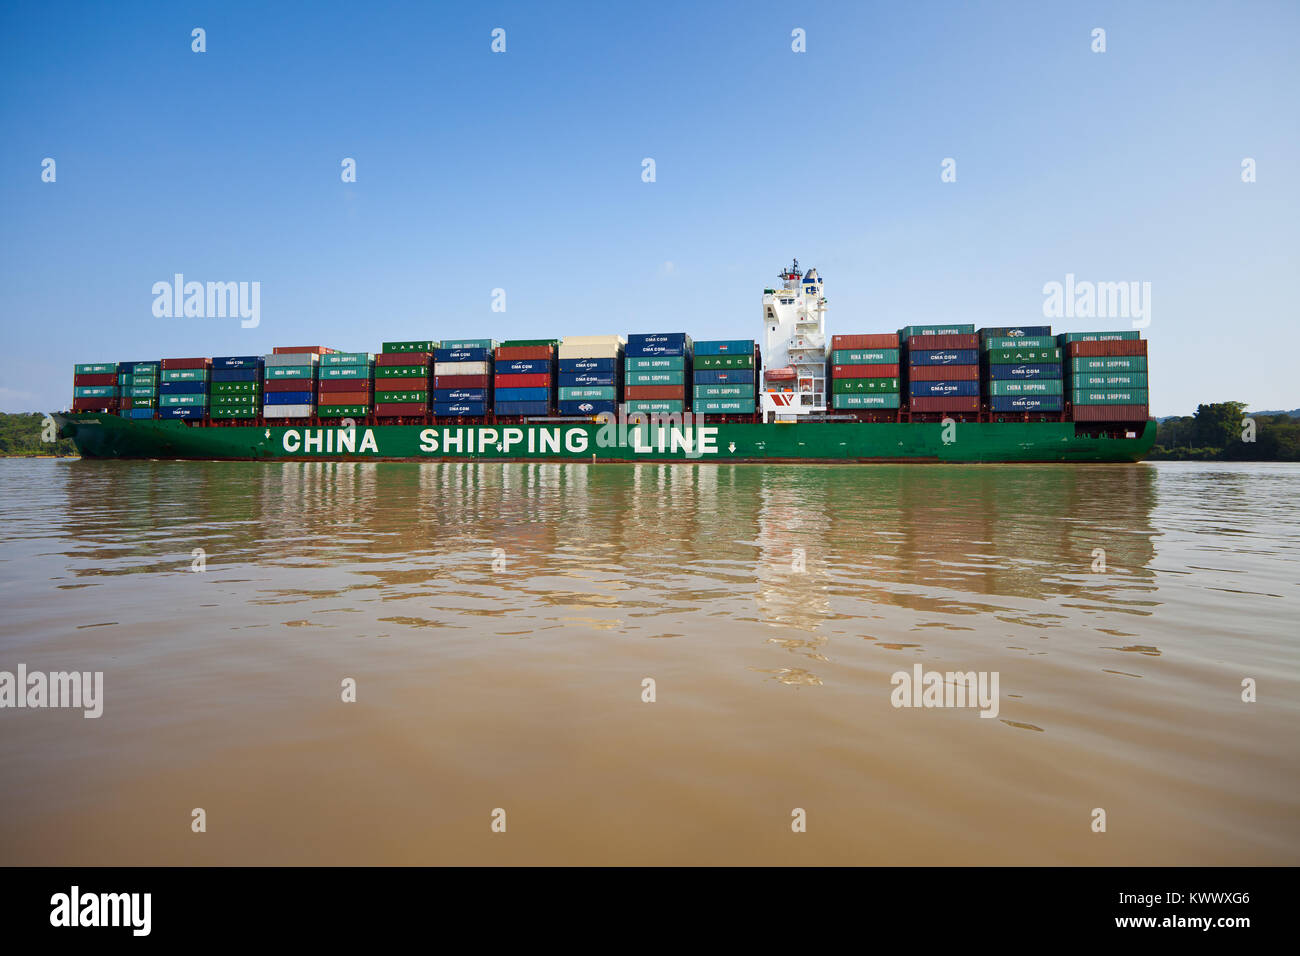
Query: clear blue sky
x=523, y=171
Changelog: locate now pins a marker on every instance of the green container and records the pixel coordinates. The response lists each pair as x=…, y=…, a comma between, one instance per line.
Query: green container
x=573, y=393
x=724, y=391
x=663, y=405
x=863, y=400
x=170, y=401
x=347, y=358
x=140, y=391
x=185, y=375
x=231, y=411
x=1105, y=380
x=401, y=371
x=661, y=363
x=920, y=331
x=723, y=361
x=1127, y=335
x=291, y=371
x=1021, y=342
x=843, y=386
x=1025, y=356
x=1109, y=396
x=864, y=357
x=235, y=388
x=724, y=406
x=342, y=411
x=146, y=368
x=528, y=343
x=1037, y=386
x=423, y=345
x=387, y=397
x=346, y=371
x=95, y=391
x=97, y=369
x=656, y=378
x=488, y=344
x=142, y=378
x=144, y=402
x=235, y=401
x=1109, y=363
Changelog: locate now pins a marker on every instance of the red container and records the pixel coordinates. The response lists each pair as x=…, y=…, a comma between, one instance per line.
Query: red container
x=403, y=358
x=943, y=373
x=656, y=391
x=345, y=398
x=524, y=352
x=300, y=350
x=328, y=386
x=1110, y=413
x=99, y=378
x=946, y=403
x=865, y=371
x=289, y=385
x=925, y=342
x=882, y=341
x=94, y=404
x=401, y=385
x=524, y=380
x=186, y=363
x=400, y=408
x=1107, y=349
x=461, y=381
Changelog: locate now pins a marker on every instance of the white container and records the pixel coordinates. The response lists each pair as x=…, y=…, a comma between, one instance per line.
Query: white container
x=592, y=340
x=460, y=368
x=288, y=411
x=567, y=351
x=296, y=358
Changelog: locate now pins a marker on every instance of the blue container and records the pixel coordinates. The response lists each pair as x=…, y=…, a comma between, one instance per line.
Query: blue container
x=236, y=361
x=522, y=408
x=180, y=411
x=452, y=395
x=725, y=347
x=658, y=343
x=944, y=356
x=724, y=376
x=1025, y=403
x=462, y=355
x=579, y=379
x=1024, y=372
x=522, y=366
x=944, y=389
x=542, y=395
x=289, y=398
x=588, y=407
x=183, y=388
x=136, y=413
x=574, y=366
x=457, y=409
x=1014, y=331
x=236, y=374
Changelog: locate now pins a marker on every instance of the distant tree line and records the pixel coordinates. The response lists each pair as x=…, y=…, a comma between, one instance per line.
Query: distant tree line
x=20, y=436
x=1225, y=431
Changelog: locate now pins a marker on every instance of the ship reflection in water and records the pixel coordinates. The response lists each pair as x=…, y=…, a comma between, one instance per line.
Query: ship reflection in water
x=501, y=622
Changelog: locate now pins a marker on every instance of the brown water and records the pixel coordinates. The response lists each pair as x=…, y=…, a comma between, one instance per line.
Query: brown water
x=520, y=686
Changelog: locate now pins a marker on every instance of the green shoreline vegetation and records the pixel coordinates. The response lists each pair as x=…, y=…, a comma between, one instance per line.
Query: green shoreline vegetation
x=1216, y=432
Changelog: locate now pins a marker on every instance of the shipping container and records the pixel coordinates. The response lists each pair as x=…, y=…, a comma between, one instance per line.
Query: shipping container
x=1024, y=342
x=863, y=371
x=443, y=356
x=185, y=375
x=513, y=352
x=937, y=389
x=864, y=356
x=236, y=375
x=724, y=406
x=1024, y=356
x=1036, y=386
x=740, y=376
x=460, y=409
x=235, y=388
x=1044, y=370
x=669, y=363
x=99, y=368
x=462, y=381
x=1125, y=335
x=96, y=391
x=1110, y=413
x=1108, y=396
x=343, y=411
x=658, y=343
x=288, y=411
x=1123, y=363
x=403, y=409
x=566, y=351
x=861, y=400
x=736, y=391
x=944, y=403
x=660, y=406
x=454, y=395
x=404, y=359
x=943, y=357
x=183, y=412
x=1107, y=348
x=93, y=404
x=401, y=371
x=943, y=373
x=542, y=394
x=656, y=378
x=345, y=385
x=928, y=330
x=294, y=372
x=888, y=340
x=345, y=372
x=423, y=347
x=317, y=350
x=744, y=347
x=1103, y=380
x=188, y=399
x=665, y=392
x=362, y=399
x=537, y=380
x=587, y=393
x=1017, y=331
x=522, y=408
x=574, y=366
x=299, y=359
x=709, y=362
x=397, y=383
x=175, y=363
x=183, y=388
x=401, y=397
x=236, y=361
x=347, y=358
x=587, y=378
x=523, y=367
x=932, y=343
x=106, y=378
x=488, y=344
x=844, y=386
x=1026, y=403
x=530, y=344
x=287, y=398
x=588, y=408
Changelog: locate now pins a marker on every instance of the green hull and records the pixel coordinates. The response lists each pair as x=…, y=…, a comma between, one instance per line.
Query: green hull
x=109, y=436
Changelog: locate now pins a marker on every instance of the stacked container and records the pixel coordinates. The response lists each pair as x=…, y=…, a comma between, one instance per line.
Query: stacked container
x=462, y=378
x=657, y=369
x=402, y=379
x=95, y=387
x=138, y=384
x=183, y=388
x=289, y=382
x=1106, y=376
x=1021, y=370
x=524, y=377
x=345, y=387
x=864, y=373
x=236, y=389
x=724, y=377
x=590, y=375
x=943, y=370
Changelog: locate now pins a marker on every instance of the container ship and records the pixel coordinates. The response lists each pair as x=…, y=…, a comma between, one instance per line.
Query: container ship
x=925, y=393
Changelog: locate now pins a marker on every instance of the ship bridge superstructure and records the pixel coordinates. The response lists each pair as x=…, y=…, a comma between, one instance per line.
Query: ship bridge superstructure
x=794, y=346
